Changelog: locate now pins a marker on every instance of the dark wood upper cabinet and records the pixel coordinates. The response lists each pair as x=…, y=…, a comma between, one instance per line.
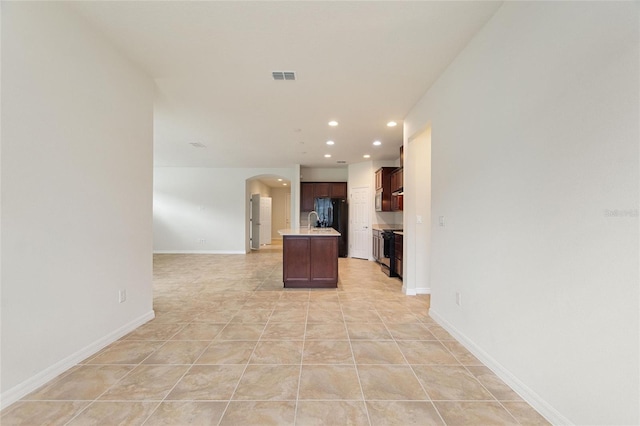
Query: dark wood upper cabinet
x=383, y=188
x=397, y=180
x=379, y=178
x=397, y=203
x=322, y=189
x=339, y=190
x=307, y=196
x=309, y=191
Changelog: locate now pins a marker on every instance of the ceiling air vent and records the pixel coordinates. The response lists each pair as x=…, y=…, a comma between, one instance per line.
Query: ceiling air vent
x=196, y=145
x=341, y=162
x=283, y=75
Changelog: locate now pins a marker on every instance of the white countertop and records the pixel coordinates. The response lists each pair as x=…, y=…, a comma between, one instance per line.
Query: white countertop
x=313, y=232
x=387, y=227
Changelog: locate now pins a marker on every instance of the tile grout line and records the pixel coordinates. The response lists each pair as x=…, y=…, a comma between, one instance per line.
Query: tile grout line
x=175, y=295
x=415, y=375
x=355, y=364
x=118, y=381
x=304, y=344
x=264, y=327
x=190, y=367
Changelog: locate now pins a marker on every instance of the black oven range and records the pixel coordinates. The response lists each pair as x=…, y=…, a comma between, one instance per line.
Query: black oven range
x=384, y=250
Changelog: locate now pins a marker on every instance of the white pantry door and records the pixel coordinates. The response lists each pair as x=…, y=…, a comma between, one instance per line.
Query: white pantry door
x=265, y=220
x=255, y=221
x=361, y=237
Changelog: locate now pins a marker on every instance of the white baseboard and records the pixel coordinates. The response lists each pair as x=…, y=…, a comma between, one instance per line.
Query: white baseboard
x=526, y=393
x=15, y=393
x=199, y=252
x=415, y=291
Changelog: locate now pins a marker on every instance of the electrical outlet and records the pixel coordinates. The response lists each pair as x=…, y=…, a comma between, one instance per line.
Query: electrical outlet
x=122, y=296
x=458, y=299
x=202, y=241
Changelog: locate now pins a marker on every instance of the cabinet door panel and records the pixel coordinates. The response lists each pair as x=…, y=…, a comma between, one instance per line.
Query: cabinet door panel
x=339, y=190
x=296, y=259
x=306, y=196
x=322, y=189
x=324, y=255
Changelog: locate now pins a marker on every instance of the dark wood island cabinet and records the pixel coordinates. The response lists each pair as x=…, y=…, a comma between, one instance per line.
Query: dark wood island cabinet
x=310, y=258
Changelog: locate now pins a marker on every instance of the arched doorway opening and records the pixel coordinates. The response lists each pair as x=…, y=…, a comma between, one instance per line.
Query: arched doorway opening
x=277, y=190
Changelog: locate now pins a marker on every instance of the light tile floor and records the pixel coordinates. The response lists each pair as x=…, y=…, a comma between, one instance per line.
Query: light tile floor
x=230, y=346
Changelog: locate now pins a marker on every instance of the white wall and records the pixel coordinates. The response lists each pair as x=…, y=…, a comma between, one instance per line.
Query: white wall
x=534, y=142
x=417, y=202
x=211, y=204
x=323, y=174
x=257, y=187
x=278, y=216
x=76, y=194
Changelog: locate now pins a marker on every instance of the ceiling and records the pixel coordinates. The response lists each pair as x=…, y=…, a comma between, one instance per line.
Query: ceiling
x=360, y=63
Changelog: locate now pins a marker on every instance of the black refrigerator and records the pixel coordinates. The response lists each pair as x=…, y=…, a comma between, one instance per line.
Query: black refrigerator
x=333, y=213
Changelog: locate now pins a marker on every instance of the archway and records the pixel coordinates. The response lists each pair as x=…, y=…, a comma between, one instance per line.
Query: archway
x=278, y=189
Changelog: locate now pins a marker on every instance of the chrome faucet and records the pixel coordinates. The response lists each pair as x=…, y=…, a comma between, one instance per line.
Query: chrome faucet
x=309, y=218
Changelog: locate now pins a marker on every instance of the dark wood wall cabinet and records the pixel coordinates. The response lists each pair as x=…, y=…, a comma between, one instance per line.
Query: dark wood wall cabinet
x=310, y=262
x=309, y=191
x=388, y=181
x=397, y=180
x=397, y=203
x=397, y=189
x=383, y=189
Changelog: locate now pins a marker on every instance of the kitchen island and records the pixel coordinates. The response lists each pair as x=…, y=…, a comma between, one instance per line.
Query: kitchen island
x=310, y=257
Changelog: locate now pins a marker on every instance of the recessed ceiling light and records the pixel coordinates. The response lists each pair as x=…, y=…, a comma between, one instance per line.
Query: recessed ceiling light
x=392, y=124
x=284, y=184
x=333, y=123
x=327, y=156
x=330, y=142
x=279, y=180
x=366, y=156
x=377, y=143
